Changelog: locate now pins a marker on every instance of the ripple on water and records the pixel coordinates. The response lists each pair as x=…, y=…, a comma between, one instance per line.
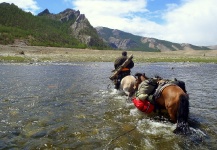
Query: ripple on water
x=73, y=105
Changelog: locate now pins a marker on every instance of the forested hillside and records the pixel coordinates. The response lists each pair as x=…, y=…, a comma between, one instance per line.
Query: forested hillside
x=37, y=30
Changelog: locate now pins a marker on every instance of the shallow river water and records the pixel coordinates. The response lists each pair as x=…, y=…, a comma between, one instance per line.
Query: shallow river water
x=74, y=106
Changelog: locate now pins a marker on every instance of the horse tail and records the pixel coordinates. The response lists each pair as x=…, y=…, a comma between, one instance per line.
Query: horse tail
x=182, y=116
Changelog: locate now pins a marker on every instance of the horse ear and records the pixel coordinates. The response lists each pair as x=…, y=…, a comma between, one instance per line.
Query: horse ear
x=158, y=77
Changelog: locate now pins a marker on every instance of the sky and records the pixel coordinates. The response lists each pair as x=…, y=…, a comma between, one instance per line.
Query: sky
x=180, y=21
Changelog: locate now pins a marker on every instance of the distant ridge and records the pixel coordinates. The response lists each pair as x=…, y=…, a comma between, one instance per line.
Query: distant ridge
x=126, y=41
x=214, y=47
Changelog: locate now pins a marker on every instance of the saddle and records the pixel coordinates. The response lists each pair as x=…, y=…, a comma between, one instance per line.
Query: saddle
x=167, y=83
x=160, y=88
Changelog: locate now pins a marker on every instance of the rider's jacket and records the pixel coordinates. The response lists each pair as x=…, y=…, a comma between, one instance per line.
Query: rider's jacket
x=146, y=88
x=120, y=60
x=125, y=71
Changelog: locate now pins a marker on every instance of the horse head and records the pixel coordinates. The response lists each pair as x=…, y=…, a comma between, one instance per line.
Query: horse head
x=139, y=78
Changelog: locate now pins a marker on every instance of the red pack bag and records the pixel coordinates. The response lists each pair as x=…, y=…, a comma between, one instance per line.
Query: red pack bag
x=144, y=106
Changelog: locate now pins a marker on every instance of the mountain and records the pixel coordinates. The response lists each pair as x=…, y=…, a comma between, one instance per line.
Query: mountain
x=79, y=26
x=126, y=41
x=213, y=47
x=65, y=29
x=70, y=28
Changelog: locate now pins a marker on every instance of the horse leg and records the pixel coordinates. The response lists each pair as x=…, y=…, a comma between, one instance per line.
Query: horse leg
x=172, y=111
x=182, y=116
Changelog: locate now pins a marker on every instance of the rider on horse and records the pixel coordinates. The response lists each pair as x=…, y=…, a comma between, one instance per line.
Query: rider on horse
x=124, y=71
x=146, y=88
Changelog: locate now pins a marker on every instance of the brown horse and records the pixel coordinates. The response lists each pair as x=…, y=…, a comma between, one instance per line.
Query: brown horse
x=175, y=101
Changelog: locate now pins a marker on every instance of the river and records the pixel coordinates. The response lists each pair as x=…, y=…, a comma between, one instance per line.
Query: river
x=74, y=106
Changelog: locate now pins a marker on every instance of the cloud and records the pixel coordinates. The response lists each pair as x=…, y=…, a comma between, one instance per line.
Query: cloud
x=110, y=13
x=110, y=7
x=125, y=15
x=26, y=5
x=193, y=21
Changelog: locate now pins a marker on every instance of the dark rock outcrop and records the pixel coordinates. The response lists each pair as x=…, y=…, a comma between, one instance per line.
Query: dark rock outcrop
x=45, y=12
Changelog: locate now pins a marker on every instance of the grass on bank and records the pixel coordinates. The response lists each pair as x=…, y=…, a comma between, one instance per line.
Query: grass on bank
x=22, y=59
x=13, y=59
x=56, y=54
x=91, y=58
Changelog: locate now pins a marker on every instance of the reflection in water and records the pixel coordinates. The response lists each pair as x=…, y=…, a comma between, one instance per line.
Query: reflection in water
x=74, y=106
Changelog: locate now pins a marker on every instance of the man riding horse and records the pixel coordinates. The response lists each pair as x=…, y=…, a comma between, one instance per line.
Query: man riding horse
x=125, y=71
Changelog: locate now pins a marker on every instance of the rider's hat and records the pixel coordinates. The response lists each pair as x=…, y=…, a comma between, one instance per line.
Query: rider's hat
x=124, y=53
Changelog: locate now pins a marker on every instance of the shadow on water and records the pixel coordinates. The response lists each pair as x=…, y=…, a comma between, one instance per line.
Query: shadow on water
x=74, y=106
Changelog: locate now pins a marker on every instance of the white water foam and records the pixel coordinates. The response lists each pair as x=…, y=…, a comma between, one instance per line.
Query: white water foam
x=198, y=132
x=152, y=127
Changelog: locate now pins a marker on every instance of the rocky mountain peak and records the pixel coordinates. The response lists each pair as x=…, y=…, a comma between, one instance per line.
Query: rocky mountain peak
x=68, y=14
x=80, y=18
x=116, y=32
x=45, y=12
x=81, y=28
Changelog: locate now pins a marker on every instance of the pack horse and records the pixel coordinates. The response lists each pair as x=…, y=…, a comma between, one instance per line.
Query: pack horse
x=176, y=101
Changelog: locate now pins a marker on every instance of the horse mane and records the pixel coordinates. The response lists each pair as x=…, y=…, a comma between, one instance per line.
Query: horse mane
x=138, y=74
x=158, y=77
